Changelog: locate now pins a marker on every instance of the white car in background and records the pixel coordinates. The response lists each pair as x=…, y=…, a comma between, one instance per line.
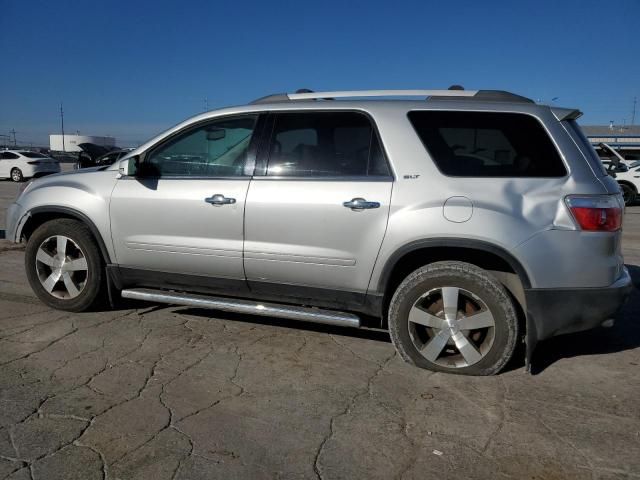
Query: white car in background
x=21, y=164
x=626, y=172
x=629, y=180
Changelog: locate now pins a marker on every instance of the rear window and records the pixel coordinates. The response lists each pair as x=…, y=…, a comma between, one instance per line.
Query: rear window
x=479, y=144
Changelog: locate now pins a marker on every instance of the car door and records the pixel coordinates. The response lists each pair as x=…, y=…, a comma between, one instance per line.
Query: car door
x=7, y=162
x=183, y=212
x=318, y=205
x=4, y=165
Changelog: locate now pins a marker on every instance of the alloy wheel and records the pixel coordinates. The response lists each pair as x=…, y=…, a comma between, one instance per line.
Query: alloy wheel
x=451, y=327
x=61, y=267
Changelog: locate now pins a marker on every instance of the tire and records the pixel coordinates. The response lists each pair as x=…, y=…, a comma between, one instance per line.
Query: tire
x=73, y=281
x=16, y=175
x=418, y=306
x=628, y=193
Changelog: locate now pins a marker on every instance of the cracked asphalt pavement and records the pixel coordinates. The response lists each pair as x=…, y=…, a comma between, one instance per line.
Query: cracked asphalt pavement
x=162, y=392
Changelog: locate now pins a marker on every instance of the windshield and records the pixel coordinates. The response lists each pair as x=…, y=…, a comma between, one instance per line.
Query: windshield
x=610, y=152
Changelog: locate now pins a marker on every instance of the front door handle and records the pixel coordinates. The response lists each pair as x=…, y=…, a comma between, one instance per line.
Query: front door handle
x=360, y=204
x=219, y=199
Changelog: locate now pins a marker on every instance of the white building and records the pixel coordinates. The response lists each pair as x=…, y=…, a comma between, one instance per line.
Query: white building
x=71, y=142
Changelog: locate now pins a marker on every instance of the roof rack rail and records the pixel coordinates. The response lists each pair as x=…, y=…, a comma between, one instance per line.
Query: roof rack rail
x=491, y=96
x=488, y=95
x=276, y=97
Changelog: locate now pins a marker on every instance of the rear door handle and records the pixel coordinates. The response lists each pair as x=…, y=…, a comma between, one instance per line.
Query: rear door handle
x=219, y=199
x=360, y=204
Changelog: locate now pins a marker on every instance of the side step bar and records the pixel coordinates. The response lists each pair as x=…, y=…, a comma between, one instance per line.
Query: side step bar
x=307, y=314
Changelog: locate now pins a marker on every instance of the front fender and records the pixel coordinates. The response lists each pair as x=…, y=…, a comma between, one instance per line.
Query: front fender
x=84, y=196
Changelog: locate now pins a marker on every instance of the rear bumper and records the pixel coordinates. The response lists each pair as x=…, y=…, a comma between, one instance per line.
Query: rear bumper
x=553, y=312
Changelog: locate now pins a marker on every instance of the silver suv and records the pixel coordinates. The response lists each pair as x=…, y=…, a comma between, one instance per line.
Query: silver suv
x=462, y=221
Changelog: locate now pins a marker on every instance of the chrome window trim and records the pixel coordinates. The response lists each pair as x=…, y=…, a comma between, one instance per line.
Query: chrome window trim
x=359, y=178
x=262, y=157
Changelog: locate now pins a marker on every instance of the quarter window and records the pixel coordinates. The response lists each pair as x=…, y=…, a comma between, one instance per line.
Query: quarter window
x=8, y=156
x=215, y=149
x=325, y=144
x=479, y=144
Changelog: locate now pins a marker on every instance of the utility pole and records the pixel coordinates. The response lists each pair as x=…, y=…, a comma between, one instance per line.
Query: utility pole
x=206, y=104
x=633, y=112
x=13, y=132
x=62, y=123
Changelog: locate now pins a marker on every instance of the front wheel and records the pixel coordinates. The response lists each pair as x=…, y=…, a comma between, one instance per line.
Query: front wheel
x=453, y=317
x=64, y=266
x=16, y=175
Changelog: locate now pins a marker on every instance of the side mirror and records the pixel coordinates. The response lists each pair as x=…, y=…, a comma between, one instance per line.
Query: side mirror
x=214, y=133
x=129, y=166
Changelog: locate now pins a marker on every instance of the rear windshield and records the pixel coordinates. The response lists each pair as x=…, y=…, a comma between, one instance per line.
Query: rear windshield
x=32, y=155
x=487, y=144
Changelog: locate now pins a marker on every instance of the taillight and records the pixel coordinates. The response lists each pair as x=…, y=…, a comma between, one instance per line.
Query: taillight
x=34, y=162
x=596, y=213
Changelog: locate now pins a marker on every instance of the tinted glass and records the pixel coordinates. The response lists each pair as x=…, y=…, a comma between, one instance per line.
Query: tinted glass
x=216, y=149
x=109, y=158
x=8, y=156
x=325, y=144
x=477, y=144
x=32, y=155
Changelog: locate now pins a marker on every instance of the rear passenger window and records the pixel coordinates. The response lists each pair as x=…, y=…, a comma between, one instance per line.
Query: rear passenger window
x=478, y=144
x=325, y=144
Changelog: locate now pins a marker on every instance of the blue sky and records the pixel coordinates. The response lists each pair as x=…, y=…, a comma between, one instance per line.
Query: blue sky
x=131, y=69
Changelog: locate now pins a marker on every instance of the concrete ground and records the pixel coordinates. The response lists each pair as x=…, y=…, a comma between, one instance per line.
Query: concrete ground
x=177, y=393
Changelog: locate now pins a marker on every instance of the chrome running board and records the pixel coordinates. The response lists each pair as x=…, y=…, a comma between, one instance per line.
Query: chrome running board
x=307, y=314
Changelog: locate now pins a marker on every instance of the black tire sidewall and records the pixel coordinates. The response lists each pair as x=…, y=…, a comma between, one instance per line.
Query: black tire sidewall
x=81, y=235
x=472, y=279
x=631, y=193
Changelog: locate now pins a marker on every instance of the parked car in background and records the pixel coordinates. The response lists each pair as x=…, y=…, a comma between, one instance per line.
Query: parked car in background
x=609, y=154
x=111, y=157
x=89, y=154
x=460, y=221
x=625, y=171
x=19, y=165
x=98, y=156
x=628, y=177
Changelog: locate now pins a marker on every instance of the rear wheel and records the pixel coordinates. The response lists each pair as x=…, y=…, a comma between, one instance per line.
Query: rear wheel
x=628, y=192
x=64, y=266
x=453, y=317
x=16, y=175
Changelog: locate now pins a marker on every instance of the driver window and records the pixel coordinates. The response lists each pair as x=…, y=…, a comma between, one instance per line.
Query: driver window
x=215, y=149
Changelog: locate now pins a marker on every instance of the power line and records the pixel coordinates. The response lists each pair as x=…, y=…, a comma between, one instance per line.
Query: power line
x=62, y=123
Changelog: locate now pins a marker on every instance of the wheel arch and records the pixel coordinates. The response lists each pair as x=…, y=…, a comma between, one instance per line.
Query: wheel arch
x=509, y=271
x=39, y=215
x=628, y=183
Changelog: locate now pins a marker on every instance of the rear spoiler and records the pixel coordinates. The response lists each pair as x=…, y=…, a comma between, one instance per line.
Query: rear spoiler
x=566, y=113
